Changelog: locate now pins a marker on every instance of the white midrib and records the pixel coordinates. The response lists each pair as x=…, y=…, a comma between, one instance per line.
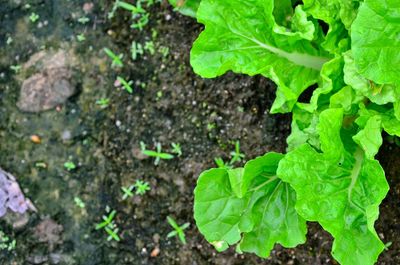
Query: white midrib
x=309, y=61
x=355, y=172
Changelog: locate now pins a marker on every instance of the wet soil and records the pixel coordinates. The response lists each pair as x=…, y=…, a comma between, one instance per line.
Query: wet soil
x=169, y=104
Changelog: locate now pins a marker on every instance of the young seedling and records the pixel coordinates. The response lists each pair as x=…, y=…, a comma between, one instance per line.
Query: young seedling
x=6, y=243
x=149, y=46
x=139, y=14
x=236, y=155
x=141, y=187
x=178, y=230
x=176, y=149
x=221, y=164
x=40, y=165
x=103, y=102
x=143, y=21
x=69, y=165
x=136, y=50
x=83, y=20
x=79, y=202
x=135, y=10
x=157, y=154
x=116, y=59
x=16, y=68
x=164, y=51
x=126, y=84
x=81, y=37
x=159, y=95
x=127, y=192
x=9, y=40
x=109, y=226
x=34, y=17
x=211, y=126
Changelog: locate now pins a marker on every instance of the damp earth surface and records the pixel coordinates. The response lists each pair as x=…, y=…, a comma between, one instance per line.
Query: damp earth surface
x=71, y=135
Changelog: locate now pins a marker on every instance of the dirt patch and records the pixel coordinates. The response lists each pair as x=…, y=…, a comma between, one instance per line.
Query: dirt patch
x=169, y=104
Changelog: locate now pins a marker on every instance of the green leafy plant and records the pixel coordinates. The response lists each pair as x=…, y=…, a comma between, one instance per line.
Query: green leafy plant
x=69, y=165
x=237, y=156
x=34, y=17
x=176, y=149
x=164, y=51
x=116, y=59
x=149, y=46
x=139, y=16
x=109, y=225
x=126, y=84
x=81, y=37
x=16, y=68
x=157, y=154
x=103, y=102
x=348, y=51
x=78, y=201
x=83, y=20
x=6, y=243
x=221, y=163
x=178, y=230
x=141, y=187
x=136, y=50
x=9, y=40
x=127, y=192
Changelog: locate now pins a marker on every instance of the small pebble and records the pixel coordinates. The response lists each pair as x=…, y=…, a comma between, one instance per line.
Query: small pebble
x=154, y=253
x=35, y=139
x=66, y=135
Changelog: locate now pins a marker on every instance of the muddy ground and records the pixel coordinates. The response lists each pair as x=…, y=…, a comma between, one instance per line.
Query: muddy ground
x=169, y=104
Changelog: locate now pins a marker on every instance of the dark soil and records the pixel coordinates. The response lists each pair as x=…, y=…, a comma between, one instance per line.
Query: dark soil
x=173, y=105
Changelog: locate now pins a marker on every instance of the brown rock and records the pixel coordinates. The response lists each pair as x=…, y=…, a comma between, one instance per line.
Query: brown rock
x=155, y=252
x=50, y=84
x=49, y=231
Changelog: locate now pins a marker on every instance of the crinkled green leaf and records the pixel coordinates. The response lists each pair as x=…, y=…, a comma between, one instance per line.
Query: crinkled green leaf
x=370, y=137
x=375, y=41
x=334, y=13
x=304, y=128
x=283, y=9
x=387, y=115
x=396, y=106
x=264, y=216
x=379, y=94
x=347, y=99
x=300, y=28
x=331, y=82
x=340, y=190
x=186, y=7
x=239, y=36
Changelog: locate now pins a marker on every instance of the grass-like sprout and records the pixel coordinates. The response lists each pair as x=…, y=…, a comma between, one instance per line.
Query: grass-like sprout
x=109, y=226
x=126, y=84
x=178, y=230
x=116, y=59
x=157, y=154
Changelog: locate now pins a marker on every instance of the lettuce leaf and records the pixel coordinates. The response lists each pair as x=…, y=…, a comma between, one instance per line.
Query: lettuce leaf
x=349, y=49
x=243, y=36
x=375, y=41
x=340, y=188
x=262, y=216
